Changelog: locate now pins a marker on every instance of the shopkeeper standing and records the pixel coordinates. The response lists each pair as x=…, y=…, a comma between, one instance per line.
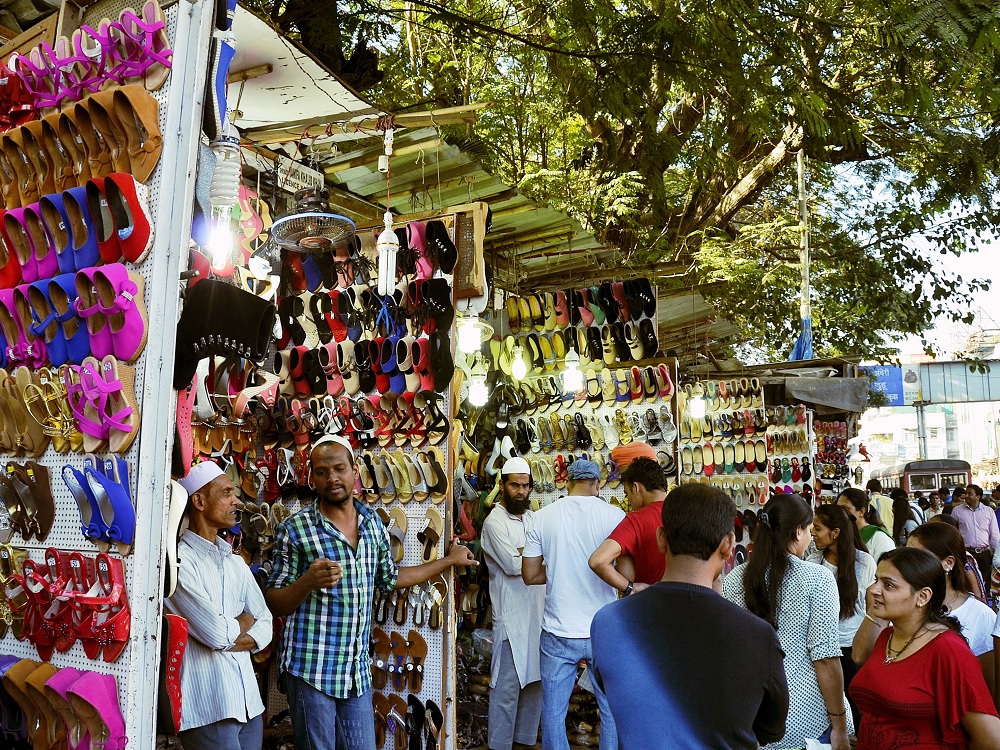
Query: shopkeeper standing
x=329, y=559
x=227, y=621
x=515, y=687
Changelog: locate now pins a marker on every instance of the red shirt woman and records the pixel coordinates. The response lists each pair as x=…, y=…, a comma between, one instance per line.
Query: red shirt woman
x=922, y=687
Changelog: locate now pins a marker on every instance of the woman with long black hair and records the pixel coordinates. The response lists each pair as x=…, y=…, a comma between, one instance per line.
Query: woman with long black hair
x=904, y=520
x=841, y=551
x=921, y=687
x=867, y=519
x=801, y=603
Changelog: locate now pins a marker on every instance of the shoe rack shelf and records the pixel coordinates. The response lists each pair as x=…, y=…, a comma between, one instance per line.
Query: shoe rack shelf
x=438, y=682
x=188, y=28
x=610, y=412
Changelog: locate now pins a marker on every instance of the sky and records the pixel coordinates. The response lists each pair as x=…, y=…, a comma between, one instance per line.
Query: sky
x=948, y=336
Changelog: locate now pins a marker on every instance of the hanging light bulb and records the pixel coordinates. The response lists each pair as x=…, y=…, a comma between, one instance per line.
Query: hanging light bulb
x=478, y=392
x=223, y=194
x=697, y=407
x=468, y=334
x=387, y=246
x=518, y=368
x=572, y=377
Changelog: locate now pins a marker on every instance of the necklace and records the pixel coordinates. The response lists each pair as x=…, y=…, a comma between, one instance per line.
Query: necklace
x=889, y=655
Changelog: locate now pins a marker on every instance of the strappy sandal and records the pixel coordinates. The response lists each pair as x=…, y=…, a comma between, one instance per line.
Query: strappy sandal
x=433, y=722
x=105, y=619
x=397, y=721
x=622, y=425
x=437, y=595
x=437, y=423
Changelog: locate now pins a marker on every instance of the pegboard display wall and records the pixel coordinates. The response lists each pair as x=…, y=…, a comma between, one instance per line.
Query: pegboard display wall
x=436, y=680
x=65, y=534
x=599, y=420
x=169, y=206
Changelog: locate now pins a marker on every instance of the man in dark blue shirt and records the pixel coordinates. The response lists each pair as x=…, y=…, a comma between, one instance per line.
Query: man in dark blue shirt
x=682, y=667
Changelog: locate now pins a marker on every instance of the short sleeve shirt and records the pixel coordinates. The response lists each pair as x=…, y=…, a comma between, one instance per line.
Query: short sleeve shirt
x=565, y=535
x=808, y=613
x=918, y=702
x=636, y=535
x=326, y=639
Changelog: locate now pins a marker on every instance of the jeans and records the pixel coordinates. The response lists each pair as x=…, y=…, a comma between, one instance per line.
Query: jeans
x=320, y=722
x=228, y=734
x=558, y=659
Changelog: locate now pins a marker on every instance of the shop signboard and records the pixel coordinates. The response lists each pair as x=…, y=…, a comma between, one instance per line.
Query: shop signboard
x=888, y=380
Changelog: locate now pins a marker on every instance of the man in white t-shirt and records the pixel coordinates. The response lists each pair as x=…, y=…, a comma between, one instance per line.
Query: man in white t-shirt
x=557, y=553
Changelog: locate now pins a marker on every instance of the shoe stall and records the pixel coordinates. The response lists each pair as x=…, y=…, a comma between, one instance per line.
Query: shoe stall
x=173, y=299
x=96, y=160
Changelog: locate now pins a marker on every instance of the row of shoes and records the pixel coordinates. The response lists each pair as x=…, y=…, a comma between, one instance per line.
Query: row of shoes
x=786, y=442
x=424, y=603
x=26, y=503
x=415, y=307
x=743, y=490
x=608, y=344
x=79, y=409
x=50, y=707
x=831, y=444
x=605, y=387
x=579, y=430
x=430, y=531
x=610, y=302
x=130, y=50
x=549, y=473
x=740, y=457
x=833, y=429
x=397, y=475
x=832, y=465
x=409, y=724
x=785, y=470
x=386, y=364
x=103, y=495
x=398, y=662
x=727, y=395
x=388, y=421
x=114, y=131
x=96, y=312
x=104, y=221
x=67, y=598
x=738, y=424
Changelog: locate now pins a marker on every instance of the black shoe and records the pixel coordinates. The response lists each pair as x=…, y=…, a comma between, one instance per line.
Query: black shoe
x=224, y=320
x=647, y=336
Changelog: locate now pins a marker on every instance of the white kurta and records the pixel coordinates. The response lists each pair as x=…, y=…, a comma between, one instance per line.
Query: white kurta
x=517, y=608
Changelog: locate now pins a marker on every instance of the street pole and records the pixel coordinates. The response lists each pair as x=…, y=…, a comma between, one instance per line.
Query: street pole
x=921, y=429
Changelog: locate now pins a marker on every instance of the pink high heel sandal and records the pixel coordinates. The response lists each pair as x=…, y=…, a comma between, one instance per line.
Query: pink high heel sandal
x=94, y=700
x=148, y=49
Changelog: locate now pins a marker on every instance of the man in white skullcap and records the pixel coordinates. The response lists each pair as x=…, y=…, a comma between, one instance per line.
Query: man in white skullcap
x=515, y=690
x=227, y=621
x=329, y=558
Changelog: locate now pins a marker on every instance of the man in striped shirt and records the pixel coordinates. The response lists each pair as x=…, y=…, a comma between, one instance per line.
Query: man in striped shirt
x=227, y=620
x=329, y=559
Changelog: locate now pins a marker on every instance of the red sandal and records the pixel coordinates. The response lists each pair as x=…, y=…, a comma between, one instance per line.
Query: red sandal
x=106, y=622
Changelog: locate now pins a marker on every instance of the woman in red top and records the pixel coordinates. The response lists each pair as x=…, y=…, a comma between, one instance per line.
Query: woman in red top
x=921, y=688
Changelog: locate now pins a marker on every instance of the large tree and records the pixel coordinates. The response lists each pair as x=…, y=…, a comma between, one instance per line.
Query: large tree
x=671, y=129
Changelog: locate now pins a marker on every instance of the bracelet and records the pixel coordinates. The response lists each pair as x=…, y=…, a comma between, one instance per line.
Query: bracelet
x=842, y=713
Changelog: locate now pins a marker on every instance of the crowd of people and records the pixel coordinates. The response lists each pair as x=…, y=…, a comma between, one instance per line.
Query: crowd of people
x=866, y=617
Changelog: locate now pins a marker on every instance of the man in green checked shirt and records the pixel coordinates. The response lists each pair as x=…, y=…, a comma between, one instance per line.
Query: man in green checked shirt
x=329, y=559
